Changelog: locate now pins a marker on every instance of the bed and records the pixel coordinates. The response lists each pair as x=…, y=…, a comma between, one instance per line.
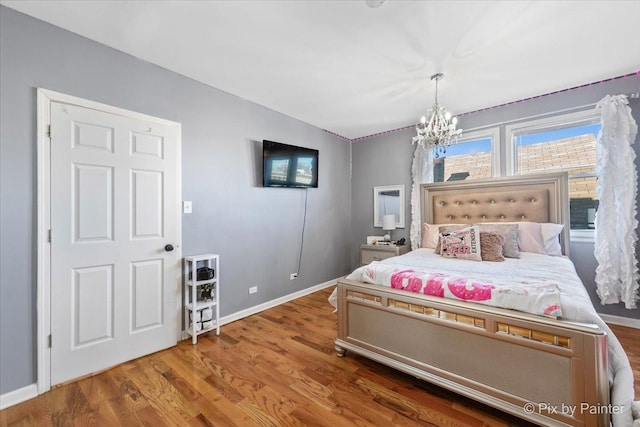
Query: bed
x=556, y=372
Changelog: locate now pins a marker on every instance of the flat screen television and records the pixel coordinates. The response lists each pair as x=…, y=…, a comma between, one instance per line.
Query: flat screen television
x=289, y=166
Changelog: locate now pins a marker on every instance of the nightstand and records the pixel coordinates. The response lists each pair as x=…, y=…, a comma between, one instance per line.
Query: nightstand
x=369, y=253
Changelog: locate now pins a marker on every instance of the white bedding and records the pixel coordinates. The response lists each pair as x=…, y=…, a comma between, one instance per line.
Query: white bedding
x=574, y=300
x=533, y=295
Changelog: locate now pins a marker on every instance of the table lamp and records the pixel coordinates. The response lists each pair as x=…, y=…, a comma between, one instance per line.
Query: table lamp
x=388, y=224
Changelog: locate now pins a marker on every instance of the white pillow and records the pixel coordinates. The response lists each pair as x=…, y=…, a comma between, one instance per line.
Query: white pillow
x=551, y=239
x=530, y=237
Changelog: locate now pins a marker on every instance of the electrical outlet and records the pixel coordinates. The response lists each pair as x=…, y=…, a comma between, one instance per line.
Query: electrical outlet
x=293, y=276
x=253, y=290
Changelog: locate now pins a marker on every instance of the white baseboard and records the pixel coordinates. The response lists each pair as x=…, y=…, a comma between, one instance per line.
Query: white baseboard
x=17, y=396
x=273, y=303
x=269, y=304
x=619, y=320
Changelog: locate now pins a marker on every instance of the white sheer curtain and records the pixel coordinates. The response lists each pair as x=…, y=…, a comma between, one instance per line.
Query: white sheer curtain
x=616, y=223
x=421, y=172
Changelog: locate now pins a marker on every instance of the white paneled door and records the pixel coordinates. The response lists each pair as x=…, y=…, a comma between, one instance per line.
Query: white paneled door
x=114, y=230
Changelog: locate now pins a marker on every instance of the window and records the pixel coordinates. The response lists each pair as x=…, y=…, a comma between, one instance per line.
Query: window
x=304, y=170
x=561, y=143
x=476, y=156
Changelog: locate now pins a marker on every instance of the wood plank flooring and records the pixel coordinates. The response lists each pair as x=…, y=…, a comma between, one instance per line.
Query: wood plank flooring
x=630, y=340
x=276, y=368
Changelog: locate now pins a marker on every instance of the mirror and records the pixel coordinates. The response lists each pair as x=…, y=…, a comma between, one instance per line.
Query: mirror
x=387, y=200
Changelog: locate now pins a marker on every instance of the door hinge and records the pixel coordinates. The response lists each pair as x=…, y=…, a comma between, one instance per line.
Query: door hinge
x=49, y=132
x=49, y=338
x=49, y=236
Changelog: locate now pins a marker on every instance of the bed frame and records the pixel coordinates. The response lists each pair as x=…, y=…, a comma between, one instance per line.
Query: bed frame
x=533, y=367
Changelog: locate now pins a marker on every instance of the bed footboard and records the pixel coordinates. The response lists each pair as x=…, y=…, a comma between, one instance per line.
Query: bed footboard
x=547, y=371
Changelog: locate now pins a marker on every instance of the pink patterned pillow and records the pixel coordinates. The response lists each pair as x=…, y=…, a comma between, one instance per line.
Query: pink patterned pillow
x=462, y=244
x=431, y=235
x=445, y=229
x=491, y=246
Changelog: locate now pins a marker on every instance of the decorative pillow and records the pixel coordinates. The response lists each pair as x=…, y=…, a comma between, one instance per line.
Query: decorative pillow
x=430, y=235
x=447, y=229
x=491, y=246
x=510, y=234
x=463, y=244
x=551, y=239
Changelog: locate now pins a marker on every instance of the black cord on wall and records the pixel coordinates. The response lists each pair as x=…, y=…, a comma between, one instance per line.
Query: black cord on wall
x=304, y=222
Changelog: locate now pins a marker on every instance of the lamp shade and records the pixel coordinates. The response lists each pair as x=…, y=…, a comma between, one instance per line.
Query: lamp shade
x=389, y=222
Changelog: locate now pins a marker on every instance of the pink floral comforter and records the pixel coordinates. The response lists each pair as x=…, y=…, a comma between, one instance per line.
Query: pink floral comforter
x=536, y=297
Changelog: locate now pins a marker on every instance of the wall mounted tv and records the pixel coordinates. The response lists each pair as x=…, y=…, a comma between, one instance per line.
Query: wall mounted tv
x=289, y=166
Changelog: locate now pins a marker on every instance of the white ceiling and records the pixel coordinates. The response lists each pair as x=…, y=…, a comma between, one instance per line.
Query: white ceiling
x=357, y=71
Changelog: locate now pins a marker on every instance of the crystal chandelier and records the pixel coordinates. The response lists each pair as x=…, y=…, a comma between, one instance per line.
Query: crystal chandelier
x=439, y=131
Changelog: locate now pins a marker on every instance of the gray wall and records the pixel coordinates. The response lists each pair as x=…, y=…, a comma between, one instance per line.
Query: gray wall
x=386, y=160
x=381, y=160
x=255, y=230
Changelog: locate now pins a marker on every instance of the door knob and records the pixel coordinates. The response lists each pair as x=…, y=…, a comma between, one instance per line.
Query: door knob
x=168, y=247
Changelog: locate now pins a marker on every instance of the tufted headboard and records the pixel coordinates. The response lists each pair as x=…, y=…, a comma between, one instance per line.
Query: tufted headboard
x=534, y=198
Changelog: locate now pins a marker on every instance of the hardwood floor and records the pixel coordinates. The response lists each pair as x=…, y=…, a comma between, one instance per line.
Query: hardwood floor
x=630, y=340
x=275, y=368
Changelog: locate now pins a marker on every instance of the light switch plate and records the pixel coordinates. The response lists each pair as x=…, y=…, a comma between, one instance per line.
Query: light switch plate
x=187, y=207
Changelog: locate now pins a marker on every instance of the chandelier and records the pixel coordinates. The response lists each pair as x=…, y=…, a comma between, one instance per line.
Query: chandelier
x=439, y=131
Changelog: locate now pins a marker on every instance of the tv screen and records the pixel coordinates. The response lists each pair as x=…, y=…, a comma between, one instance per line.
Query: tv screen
x=289, y=166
